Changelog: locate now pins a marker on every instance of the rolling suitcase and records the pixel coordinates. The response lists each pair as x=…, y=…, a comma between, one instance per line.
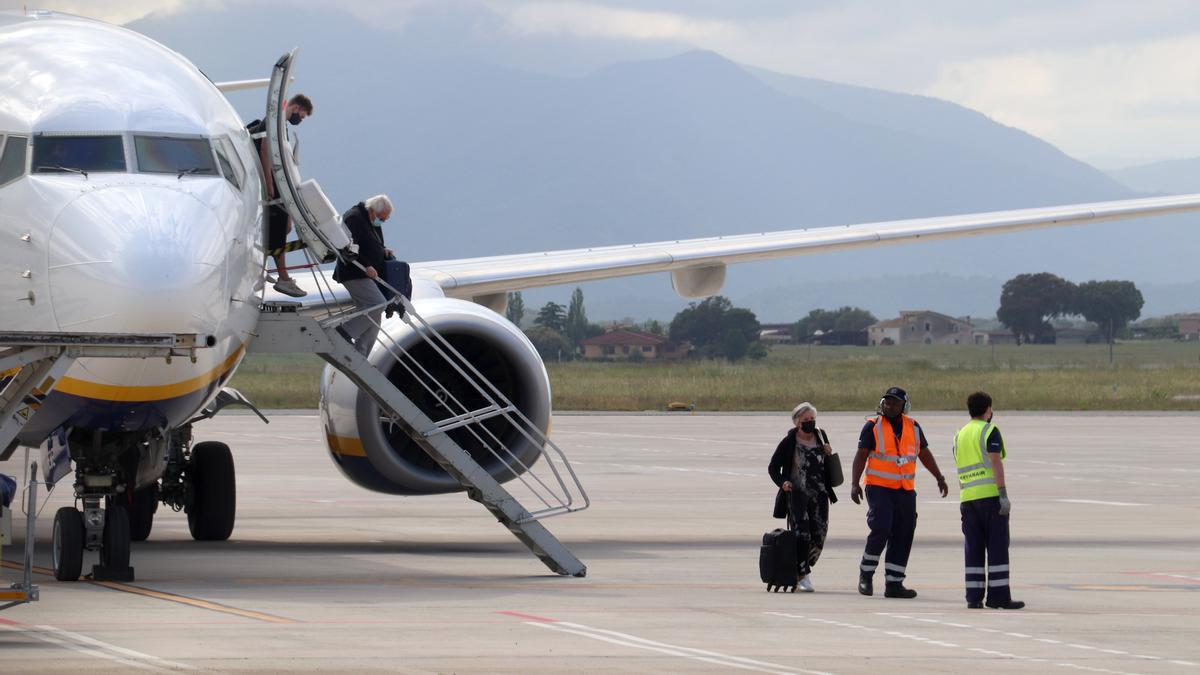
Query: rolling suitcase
x=777, y=563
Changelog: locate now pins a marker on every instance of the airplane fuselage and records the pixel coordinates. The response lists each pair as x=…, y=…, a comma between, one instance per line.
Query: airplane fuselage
x=134, y=205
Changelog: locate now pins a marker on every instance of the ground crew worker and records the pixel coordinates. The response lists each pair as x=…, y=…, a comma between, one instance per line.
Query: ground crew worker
x=888, y=448
x=979, y=454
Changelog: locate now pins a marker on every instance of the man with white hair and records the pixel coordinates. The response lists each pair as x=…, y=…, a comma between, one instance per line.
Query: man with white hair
x=365, y=222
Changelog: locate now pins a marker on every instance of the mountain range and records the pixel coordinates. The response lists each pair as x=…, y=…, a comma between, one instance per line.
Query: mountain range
x=487, y=148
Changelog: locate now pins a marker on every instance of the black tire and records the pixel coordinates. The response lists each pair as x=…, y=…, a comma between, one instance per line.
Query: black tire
x=68, y=544
x=214, y=492
x=115, y=550
x=142, y=505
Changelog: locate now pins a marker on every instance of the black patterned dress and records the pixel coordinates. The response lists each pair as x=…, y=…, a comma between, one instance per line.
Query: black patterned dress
x=810, y=502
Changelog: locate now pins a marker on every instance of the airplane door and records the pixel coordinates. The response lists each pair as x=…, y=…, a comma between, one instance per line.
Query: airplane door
x=315, y=220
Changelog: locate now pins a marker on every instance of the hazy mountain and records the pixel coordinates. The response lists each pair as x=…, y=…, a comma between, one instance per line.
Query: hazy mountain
x=1172, y=177
x=485, y=157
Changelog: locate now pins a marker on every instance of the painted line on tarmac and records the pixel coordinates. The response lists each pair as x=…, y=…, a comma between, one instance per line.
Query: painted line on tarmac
x=92, y=647
x=169, y=597
x=943, y=643
x=675, y=469
x=1098, y=502
x=1073, y=645
x=635, y=642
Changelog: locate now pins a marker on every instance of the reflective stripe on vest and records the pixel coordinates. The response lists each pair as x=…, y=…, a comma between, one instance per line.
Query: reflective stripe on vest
x=893, y=465
x=976, y=477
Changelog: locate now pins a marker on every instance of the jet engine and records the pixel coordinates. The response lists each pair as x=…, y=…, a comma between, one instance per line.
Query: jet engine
x=379, y=455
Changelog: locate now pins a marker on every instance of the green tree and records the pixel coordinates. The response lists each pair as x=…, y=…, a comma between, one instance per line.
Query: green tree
x=553, y=316
x=654, y=326
x=1029, y=301
x=550, y=344
x=707, y=326
x=576, y=328
x=515, y=312
x=825, y=320
x=1111, y=305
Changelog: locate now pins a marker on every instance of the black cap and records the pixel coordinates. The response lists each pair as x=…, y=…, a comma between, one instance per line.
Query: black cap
x=896, y=393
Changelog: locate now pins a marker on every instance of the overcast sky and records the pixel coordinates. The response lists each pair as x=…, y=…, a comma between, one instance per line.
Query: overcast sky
x=1114, y=82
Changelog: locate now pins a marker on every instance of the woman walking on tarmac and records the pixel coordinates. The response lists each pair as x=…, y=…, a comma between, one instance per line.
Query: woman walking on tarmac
x=798, y=468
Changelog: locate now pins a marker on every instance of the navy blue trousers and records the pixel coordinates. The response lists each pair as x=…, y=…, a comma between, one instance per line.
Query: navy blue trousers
x=985, y=549
x=892, y=517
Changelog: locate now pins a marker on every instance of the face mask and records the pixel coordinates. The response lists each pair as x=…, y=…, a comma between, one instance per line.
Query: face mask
x=377, y=222
x=809, y=426
x=294, y=119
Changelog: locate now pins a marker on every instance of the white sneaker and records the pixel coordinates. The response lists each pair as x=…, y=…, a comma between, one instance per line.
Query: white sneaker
x=806, y=584
x=289, y=287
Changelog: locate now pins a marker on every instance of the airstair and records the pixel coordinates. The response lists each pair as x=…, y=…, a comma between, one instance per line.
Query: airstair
x=34, y=363
x=548, y=480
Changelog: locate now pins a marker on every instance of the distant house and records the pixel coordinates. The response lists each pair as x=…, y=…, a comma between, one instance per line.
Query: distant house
x=776, y=333
x=1189, y=327
x=621, y=344
x=923, y=326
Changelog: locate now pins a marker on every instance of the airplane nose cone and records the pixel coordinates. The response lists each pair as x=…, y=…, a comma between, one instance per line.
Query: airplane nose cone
x=137, y=259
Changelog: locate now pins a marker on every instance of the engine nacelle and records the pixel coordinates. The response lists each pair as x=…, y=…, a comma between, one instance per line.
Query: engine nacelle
x=380, y=456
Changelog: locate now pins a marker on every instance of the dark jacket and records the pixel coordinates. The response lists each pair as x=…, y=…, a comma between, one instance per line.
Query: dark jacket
x=370, y=244
x=780, y=470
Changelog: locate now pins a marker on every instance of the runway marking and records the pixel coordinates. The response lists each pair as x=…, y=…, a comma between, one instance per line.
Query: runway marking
x=169, y=597
x=92, y=647
x=678, y=469
x=635, y=642
x=1097, y=501
x=1144, y=657
x=941, y=643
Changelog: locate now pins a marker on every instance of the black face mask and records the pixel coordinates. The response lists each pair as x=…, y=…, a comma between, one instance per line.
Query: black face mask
x=808, y=427
x=294, y=119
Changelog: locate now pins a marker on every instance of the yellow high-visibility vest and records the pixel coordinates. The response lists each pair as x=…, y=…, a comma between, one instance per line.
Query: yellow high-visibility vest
x=976, y=478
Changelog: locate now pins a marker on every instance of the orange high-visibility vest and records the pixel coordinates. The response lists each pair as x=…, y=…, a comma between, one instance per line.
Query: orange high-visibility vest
x=890, y=466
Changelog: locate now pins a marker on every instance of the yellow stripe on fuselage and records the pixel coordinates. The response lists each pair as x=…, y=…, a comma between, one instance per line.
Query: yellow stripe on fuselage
x=155, y=392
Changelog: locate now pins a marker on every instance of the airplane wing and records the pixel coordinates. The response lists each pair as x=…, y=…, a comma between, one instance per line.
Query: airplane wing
x=697, y=266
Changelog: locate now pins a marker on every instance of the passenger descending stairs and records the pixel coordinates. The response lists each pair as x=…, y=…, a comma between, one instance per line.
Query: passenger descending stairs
x=283, y=329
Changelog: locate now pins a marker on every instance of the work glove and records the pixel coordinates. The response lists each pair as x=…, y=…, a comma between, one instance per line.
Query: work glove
x=1005, y=504
x=856, y=494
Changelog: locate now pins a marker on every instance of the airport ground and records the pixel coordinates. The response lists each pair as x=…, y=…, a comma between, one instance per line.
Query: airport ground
x=323, y=576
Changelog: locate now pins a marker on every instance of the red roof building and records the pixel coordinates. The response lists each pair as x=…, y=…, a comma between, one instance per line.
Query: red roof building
x=622, y=344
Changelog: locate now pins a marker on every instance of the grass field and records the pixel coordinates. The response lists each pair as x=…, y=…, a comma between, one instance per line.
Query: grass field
x=1143, y=376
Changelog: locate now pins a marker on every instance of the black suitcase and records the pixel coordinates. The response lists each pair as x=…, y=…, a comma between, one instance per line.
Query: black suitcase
x=777, y=561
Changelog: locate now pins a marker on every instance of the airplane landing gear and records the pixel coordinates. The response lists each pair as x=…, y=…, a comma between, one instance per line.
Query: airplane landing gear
x=213, y=491
x=94, y=529
x=68, y=543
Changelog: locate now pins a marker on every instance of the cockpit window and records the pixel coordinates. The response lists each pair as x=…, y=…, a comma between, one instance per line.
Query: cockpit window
x=12, y=162
x=79, y=154
x=183, y=156
x=229, y=163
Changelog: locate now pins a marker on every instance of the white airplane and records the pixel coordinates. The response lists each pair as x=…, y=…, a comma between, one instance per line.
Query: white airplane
x=131, y=201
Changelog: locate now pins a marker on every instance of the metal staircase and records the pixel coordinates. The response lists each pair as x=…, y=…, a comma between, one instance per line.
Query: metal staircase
x=283, y=329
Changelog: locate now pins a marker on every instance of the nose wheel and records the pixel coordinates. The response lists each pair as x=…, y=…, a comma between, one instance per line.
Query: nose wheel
x=75, y=532
x=68, y=543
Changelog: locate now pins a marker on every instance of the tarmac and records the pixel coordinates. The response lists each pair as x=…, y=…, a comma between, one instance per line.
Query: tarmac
x=323, y=575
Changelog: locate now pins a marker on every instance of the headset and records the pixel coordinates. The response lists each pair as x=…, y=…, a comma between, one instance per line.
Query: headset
x=879, y=408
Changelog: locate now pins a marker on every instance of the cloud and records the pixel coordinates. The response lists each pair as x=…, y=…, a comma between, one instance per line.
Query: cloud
x=1111, y=100
x=597, y=21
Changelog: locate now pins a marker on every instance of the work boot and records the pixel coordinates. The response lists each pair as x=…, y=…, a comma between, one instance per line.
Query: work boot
x=896, y=589
x=975, y=605
x=866, y=584
x=1007, y=604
